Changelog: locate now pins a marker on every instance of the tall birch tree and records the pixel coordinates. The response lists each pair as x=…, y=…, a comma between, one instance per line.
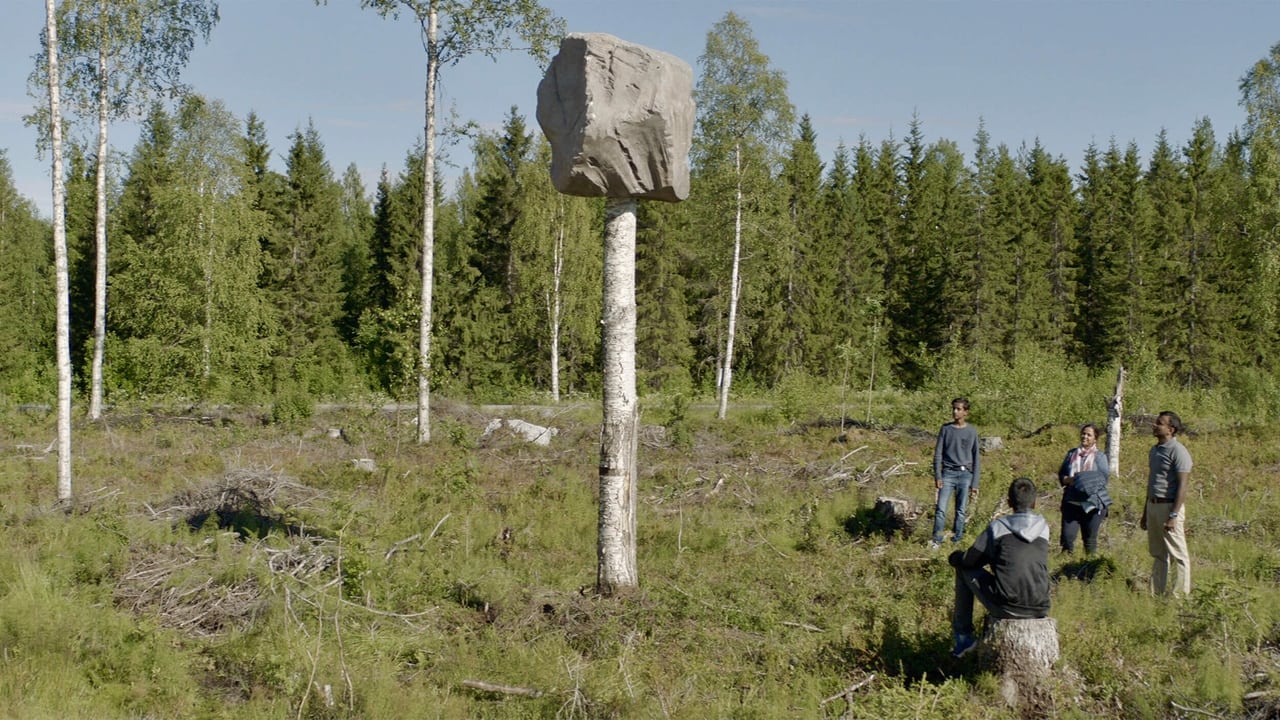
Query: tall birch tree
x=61, y=281
x=744, y=117
x=451, y=30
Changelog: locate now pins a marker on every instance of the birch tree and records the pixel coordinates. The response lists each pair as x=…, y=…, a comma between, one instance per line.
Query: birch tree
x=556, y=258
x=451, y=30
x=189, y=316
x=117, y=54
x=62, y=288
x=744, y=117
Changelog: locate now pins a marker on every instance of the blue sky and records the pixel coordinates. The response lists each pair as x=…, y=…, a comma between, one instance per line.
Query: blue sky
x=1068, y=72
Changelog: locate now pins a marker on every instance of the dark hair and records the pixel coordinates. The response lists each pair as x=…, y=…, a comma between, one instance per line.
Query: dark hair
x=1096, y=431
x=1175, y=422
x=1022, y=494
x=961, y=401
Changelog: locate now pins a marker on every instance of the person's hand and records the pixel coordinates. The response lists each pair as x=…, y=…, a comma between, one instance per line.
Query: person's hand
x=1171, y=523
x=973, y=492
x=937, y=484
x=1142, y=524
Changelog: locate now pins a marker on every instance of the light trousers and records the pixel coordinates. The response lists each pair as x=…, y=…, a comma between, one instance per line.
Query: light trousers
x=1168, y=550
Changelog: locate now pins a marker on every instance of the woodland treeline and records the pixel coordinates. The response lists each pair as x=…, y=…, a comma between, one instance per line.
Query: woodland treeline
x=231, y=281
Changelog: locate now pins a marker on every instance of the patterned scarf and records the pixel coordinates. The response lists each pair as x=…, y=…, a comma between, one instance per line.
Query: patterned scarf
x=1082, y=460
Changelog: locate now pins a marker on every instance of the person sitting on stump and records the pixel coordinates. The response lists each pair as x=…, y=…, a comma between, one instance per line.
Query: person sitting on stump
x=1016, y=547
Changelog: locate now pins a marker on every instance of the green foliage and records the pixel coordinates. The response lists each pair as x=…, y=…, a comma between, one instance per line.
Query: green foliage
x=800, y=395
x=292, y=405
x=674, y=416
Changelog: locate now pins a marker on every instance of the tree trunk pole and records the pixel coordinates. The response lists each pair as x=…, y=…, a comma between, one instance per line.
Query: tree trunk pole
x=726, y=374
x=1114, y=413
x=428, y=233
x=100, y=246
x=61, y=280
x=616, y=545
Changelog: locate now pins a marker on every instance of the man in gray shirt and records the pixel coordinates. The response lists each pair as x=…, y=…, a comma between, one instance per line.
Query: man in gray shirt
x=1164, y=514
x=955, y=471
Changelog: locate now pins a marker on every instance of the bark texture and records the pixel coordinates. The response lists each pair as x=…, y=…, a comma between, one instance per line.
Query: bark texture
x=1023, y=653
x=619, y=435
x=62, y=282
x=1114, y=413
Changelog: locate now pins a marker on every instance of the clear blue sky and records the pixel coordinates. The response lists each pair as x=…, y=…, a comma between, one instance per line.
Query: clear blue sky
x=1068, y=72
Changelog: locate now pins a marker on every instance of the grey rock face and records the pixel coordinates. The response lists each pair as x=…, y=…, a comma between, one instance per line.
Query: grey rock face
x=619, y=117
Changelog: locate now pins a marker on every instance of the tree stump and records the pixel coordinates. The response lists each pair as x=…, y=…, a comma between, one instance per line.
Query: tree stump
x=1023, y=653
x=895, y=515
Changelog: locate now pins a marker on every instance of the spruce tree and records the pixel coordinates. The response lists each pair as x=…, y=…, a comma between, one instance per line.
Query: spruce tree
x=664, y=331
x=935, y=210
x=389, y=323
x=807, y=291
x=81, y=258
x=1051, y=208
x=27, y=319
x=355, y=238
x=303, y=272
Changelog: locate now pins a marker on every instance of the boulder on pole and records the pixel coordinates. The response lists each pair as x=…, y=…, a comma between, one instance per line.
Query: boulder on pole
x=619, y=117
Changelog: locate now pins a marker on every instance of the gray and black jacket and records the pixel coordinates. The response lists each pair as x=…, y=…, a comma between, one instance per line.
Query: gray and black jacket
x=1016, y=547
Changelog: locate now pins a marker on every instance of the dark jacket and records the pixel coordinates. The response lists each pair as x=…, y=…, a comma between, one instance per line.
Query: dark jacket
x=1016, y=547
x=1088, y=489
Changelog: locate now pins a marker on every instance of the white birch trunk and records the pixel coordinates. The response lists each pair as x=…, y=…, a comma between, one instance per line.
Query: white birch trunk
x=1114, y=413
x=726, y=373
x=61, y=282
x=203, y=231
x=100, y=245
x=616, y=546
x=428, y=233
x=555, y=303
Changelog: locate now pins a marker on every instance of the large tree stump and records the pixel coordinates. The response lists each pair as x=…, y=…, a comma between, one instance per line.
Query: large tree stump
x=895, y=515
x=1023, y=653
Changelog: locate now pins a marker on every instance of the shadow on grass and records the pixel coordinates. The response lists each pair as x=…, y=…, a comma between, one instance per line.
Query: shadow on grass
x=911, y=657
x=1086, y=570
x=872, y=522
x=246, y=522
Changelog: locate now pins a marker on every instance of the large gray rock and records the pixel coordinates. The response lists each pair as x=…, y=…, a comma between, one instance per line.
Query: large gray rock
x=619, y=117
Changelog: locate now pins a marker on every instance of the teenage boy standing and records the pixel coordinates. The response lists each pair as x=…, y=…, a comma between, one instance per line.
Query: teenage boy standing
x=955, y=470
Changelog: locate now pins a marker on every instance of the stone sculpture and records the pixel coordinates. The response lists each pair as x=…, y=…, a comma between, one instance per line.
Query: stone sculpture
x=619, y=117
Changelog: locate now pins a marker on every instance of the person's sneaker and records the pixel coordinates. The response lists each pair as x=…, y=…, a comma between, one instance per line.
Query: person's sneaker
x=964, y=643
x=934, y=544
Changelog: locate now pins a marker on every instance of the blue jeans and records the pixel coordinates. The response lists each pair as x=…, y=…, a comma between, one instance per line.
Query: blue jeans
x=954, y=482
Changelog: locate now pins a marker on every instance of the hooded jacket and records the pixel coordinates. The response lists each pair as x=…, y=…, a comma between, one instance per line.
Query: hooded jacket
x=1016, y=547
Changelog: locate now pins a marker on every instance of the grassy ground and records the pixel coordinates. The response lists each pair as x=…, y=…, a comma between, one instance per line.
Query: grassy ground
x=217, y=566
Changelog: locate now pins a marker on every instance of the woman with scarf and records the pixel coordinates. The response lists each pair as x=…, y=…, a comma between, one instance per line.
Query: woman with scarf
x=1085, y=499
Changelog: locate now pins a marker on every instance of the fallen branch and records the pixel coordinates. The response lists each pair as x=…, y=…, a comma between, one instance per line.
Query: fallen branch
x=802, y=626
x=501, y=689
x=848, y=692
x=395, y=548
x=437, y=527
x=1184, y=708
